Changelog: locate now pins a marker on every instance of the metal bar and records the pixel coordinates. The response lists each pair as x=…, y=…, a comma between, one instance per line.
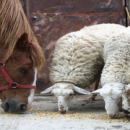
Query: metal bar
x=127, y=12
x=53, y=95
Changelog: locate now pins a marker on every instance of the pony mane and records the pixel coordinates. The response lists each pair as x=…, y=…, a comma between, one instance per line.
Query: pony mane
x=13, y=23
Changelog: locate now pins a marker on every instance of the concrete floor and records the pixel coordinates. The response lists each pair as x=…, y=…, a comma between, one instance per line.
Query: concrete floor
x=44, y=115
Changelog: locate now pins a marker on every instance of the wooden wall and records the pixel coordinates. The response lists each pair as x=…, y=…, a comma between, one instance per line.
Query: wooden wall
x=52, y=19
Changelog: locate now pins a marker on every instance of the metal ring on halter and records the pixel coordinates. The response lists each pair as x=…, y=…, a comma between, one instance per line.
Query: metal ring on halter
x=14, y=83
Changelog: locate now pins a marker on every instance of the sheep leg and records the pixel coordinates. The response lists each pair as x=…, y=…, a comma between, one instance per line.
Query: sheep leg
x=92, y=98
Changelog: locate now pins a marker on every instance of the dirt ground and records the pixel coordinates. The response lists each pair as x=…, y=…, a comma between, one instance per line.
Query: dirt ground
x=44, y=115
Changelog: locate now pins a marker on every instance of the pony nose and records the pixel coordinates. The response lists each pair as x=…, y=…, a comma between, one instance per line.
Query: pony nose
x=112, y=116
x=23, y=107
x=14, y=107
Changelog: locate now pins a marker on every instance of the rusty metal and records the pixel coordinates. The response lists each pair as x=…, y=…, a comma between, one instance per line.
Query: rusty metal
x=55, y=18
x=76, y=6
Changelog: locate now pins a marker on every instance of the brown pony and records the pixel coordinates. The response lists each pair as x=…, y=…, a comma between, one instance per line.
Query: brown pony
x=22, y=55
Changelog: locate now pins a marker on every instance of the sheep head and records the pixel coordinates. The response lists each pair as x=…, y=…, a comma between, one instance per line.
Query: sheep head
x=64, y=93
x=112, y=95
x=126, y=101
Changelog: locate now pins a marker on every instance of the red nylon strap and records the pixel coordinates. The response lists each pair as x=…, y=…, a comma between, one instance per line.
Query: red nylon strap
x=5, y=87
x=25, y=86
x=7, y=77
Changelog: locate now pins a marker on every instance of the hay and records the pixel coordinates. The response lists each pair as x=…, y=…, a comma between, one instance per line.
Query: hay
x=103, y=117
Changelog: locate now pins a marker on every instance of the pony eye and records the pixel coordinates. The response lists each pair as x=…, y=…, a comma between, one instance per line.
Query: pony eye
x=23, y=70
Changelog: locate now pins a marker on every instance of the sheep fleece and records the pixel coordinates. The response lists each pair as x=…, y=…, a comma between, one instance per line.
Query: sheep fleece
x=78, y=56
x=117, y=58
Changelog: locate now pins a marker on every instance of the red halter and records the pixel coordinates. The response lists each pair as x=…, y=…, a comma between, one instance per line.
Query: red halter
x=11, y=82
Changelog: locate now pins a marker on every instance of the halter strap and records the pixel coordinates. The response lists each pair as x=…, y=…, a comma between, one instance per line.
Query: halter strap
x=8, y=78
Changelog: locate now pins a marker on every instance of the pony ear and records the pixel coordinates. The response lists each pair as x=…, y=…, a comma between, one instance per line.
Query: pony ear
x=23, y=42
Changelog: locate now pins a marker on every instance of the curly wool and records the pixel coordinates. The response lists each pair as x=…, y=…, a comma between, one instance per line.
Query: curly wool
x=117, y=58
x=78, y=56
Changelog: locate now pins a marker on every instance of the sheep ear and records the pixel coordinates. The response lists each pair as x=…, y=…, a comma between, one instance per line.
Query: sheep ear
x=48, y=90
x=80, y=90
x=96, y=91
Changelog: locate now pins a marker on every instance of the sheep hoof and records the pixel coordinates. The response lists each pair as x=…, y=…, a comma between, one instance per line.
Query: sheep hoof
x=92, y=98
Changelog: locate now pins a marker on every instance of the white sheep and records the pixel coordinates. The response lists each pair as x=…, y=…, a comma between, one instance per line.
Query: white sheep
x=78, y=61
x=116, y=72
x=126, y=100
x=111, y=93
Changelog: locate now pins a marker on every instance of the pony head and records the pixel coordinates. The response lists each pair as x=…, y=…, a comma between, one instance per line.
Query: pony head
x=22, y=67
